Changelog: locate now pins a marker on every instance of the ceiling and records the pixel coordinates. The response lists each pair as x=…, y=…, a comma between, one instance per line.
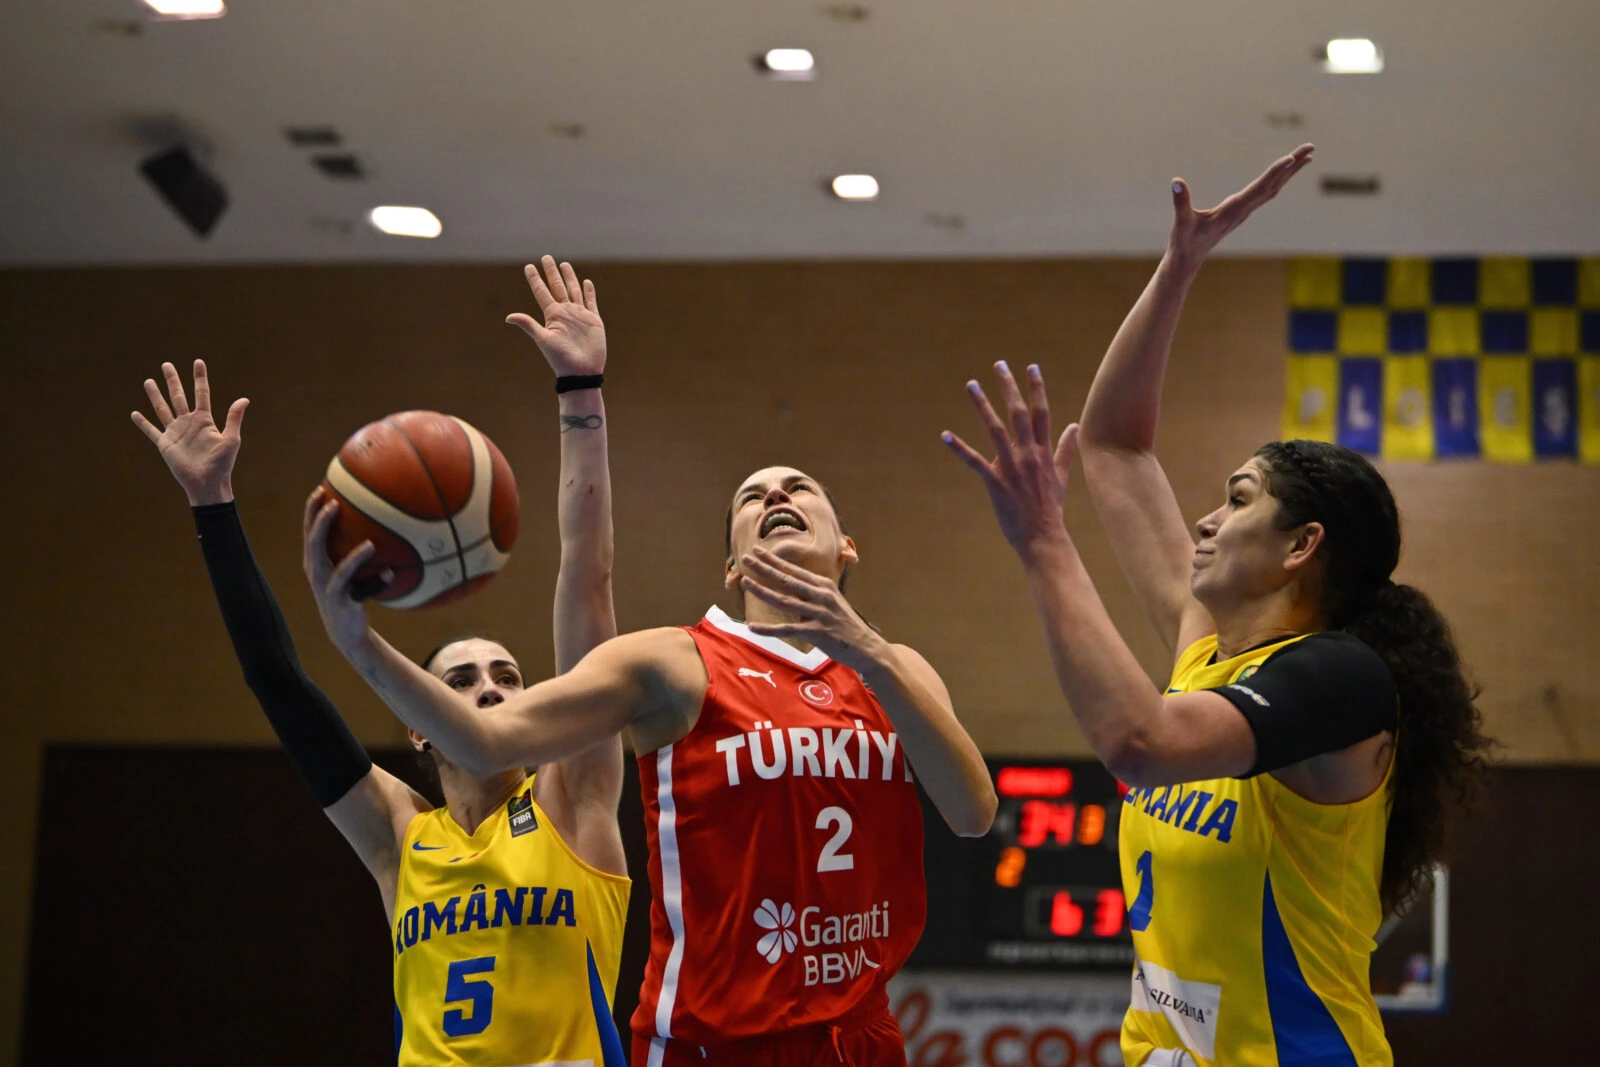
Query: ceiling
x=996, y=128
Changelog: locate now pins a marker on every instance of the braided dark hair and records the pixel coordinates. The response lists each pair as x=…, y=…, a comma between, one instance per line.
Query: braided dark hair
x=1440, y=748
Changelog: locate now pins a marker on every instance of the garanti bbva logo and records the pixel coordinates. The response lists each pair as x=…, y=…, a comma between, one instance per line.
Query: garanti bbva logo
x=779, y=922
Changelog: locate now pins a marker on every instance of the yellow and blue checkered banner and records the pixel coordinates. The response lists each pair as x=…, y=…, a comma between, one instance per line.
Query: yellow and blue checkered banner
x=1492, y=358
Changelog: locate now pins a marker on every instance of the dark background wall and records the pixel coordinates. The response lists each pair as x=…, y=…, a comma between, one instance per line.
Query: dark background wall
x=848, y=370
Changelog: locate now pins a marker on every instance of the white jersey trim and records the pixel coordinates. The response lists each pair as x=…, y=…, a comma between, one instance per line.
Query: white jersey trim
x=806, y=661
x=671, y=891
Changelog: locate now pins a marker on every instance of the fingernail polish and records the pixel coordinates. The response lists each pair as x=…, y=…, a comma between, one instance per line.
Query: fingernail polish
x=1177, y=188
x=1002, y=368
x=974, y=388
x=1033, y=370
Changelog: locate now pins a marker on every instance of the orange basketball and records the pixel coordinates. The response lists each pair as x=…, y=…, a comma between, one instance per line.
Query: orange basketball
x=436, y=499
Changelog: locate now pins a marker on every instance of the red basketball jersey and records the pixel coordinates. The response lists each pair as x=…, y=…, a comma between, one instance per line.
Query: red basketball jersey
x=785, y=849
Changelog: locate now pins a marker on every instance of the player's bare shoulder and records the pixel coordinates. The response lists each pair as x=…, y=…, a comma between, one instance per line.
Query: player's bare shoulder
x=669, y=665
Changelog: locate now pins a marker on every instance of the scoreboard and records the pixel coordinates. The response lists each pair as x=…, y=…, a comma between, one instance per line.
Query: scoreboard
x=1043, y=889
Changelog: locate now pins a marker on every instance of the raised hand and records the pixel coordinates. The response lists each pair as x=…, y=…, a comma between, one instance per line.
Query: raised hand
x=1196, y=233
x=199, y=455
x=1027, y=479
x=819, y=613
x=342, y=615
x=572, y=337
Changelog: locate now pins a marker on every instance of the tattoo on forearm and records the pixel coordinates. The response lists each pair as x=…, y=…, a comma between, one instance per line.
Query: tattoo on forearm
x=580, y=422
x=371, y=674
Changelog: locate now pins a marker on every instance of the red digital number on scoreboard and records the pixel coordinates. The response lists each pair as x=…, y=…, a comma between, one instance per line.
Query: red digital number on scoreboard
x=1067, y=913
x=1060, y=824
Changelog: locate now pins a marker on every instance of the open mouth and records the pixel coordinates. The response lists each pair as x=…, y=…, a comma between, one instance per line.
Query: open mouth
x=781, y=518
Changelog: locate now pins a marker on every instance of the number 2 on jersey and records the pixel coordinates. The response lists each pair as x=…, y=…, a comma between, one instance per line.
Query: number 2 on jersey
x=458, y=1023
x=832, y=859
x=1139, y=914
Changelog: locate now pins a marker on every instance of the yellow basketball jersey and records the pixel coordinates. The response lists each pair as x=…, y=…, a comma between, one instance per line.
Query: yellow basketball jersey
x=506, y=944
x=1253, y=913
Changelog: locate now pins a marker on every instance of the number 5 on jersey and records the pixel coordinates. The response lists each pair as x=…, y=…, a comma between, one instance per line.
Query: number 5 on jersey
x=480, y=994
x=832, y=859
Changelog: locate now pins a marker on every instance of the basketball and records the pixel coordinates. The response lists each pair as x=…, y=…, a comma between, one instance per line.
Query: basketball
x=436, y=499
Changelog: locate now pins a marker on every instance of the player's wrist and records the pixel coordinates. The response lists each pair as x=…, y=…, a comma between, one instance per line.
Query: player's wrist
x=210, y=493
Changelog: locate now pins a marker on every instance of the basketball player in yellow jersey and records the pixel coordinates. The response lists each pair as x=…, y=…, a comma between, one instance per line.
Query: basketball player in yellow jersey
x=1289, y=784
x=506, y=906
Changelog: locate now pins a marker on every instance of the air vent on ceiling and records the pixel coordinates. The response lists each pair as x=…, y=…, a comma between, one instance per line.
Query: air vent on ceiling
x=340, y=168
x=846, y=12
x=313, y=136
x=1350, y=185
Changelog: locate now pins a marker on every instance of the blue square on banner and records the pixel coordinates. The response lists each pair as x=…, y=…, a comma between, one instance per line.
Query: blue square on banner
x=1455, y=281
x=1313, y=331
x=1455, y=407
x=1361, y=404
x=1555, y=407
x=1589, y=332
x=1555, y=282
x=1366, y=281
x=1408, y=331
x=1505, y=332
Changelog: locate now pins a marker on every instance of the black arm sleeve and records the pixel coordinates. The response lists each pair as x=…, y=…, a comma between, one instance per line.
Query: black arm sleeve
x=1321, y=694
x=318, y=742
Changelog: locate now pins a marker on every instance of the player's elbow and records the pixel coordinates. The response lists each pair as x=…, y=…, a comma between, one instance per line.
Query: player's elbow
x=1132, y=759
x=976, y=816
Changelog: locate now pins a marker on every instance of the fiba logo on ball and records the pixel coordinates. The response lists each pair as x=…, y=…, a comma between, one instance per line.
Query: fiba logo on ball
x=816, y=692
x=436, y=499
x=778, y=921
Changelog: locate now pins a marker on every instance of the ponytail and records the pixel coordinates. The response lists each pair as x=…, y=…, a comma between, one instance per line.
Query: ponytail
x=1440, y=749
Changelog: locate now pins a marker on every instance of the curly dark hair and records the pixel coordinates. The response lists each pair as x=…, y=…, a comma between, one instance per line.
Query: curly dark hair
x=1440, y=748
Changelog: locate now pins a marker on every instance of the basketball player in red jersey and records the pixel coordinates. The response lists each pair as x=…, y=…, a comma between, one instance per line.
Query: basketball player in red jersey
x=776, y=757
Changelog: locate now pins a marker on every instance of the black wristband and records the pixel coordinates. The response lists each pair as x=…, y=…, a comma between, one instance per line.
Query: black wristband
x=570, y=383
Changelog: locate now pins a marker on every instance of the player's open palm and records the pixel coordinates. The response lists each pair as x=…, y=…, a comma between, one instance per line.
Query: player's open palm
x=572, y=336
x=199, y=454
x=1195, y=233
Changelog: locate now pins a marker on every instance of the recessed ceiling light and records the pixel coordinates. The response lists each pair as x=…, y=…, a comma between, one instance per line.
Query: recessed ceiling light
x=1351, y=55
x=187, y=9
x=406, y=221
x=855, y=187
x=787, y=64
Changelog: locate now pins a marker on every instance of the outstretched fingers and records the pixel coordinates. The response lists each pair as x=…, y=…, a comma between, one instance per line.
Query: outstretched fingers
x=569, y=279
x=589, y=299
x=541, y=293
x=235, y=421
x=1038, y=405
x=180, y=402
x=202, y=387
x=1016, y=407
x=552, y=277
x=991, y=422
x=148, y=429
x=158, y=402
x=969, y=455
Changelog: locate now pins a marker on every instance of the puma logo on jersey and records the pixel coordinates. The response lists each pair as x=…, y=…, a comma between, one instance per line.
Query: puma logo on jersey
x=766, y=676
